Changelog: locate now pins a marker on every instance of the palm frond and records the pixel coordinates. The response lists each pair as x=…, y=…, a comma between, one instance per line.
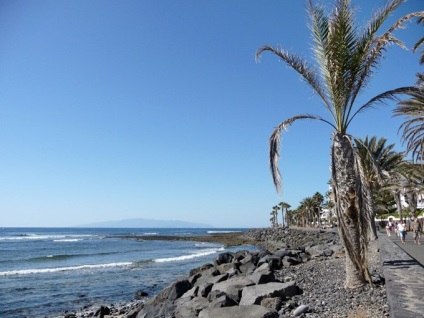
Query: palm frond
x=305, y=69
x=369, y=50
x=384, y=97
x=274, y=145
x=413, y=127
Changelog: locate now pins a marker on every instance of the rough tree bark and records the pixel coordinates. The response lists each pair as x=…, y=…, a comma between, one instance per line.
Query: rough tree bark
x=349, y=202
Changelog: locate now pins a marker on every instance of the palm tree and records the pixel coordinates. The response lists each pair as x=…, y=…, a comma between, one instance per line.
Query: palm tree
x=412, y=184
x=413, y=110
x=318, y=201
x=307, y=210
x=275, y=215
x=284, y=206
x=346, y=59
x=384, y=203
x=413, y=127
x=329, y=204
x=378, y=163
x=273, y=218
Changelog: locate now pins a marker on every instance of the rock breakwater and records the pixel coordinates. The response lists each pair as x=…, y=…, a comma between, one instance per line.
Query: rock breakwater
x=296, y=273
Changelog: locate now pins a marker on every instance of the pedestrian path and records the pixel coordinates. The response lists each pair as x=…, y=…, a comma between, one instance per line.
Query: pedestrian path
x=404, y=273
x=414, y=250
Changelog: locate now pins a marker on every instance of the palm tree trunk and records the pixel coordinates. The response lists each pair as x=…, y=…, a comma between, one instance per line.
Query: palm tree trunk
x=413, y=202
x=348, y=195
x=373, y=232
x=396, y=196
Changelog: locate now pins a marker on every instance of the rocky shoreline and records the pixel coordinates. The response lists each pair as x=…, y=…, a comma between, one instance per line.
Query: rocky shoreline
x=295, y=273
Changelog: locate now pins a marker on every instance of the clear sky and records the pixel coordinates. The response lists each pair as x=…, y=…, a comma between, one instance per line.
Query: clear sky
x=157, y=109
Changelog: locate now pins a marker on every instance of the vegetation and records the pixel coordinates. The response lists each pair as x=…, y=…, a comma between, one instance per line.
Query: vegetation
x=346, y=58
x=413, y=109
x=379, y=163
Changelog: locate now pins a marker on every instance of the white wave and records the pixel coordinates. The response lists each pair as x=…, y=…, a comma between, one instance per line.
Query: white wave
x=189, y=256
x=152, y=233
x=68, y=240
x=216, y=232
x=42, y=237
x=62, y=269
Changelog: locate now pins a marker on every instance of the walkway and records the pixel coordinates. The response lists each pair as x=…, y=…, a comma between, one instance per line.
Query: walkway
x=403, y=266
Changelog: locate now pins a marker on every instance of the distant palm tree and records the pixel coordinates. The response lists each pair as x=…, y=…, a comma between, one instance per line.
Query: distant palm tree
x=384, y=203
x=275, y=215
x=318, y=202
x=307, y=210
x=412, y=176
x=346, y=59
x=284, y=206
x=379, y=162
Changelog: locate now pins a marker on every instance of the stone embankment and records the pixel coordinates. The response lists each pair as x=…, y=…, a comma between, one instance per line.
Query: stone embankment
x=297, y=273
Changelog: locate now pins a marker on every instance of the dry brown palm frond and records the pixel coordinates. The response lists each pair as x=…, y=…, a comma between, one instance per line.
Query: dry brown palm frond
x=274, y=145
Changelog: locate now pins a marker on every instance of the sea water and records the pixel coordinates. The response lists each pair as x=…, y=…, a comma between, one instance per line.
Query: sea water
x=45, y=272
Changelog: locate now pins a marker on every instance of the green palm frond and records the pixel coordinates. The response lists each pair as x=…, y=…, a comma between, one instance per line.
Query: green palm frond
x=378, y=160
x=303, y=67
x=413, y=127
x=420, y=42
x=383, y=98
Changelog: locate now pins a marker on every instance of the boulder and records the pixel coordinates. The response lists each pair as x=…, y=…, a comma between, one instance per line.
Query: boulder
x=207, y=276
x=193, y=279
x=191, y=308
x=264, y=266
x=222, y=301
x=200, y=269
x=250, y=258
x=253, y=295
x=274, y=262
x=223, y=268
x=102, y=311
x=191, y=293
x=254, y=311
x=247, y=267
x=178, y=289
x=262, y=277
x=224, y=258
x=272, y=303
x=232, y=287
x=289, y=261
x=215, y=294
x=139, y=294
x=164, y=308
x=300, y=310
x=204, y=290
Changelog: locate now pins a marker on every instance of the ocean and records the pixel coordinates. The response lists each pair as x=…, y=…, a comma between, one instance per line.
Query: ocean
x=45, y=272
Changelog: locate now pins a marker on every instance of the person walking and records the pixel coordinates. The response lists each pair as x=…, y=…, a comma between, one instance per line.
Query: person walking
x=417, y=228
x=388, y=228
x=402, y=231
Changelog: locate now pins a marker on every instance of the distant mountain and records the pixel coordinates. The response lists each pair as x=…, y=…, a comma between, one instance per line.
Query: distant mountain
x=146, y=223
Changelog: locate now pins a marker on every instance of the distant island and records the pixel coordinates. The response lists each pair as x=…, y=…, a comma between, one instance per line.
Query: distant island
x=146, y=223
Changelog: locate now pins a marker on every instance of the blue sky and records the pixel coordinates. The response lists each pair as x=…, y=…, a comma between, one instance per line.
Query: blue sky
x=157, y=109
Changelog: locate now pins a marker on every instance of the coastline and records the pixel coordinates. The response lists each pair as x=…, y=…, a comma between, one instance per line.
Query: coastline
x=320, y=277
x=227, y=239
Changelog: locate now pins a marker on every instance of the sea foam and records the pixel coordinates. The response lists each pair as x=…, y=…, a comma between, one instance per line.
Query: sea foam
x=217, y=232
x=189, y=256
x=63, y=269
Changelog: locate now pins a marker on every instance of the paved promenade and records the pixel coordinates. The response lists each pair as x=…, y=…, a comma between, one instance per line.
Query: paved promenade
x=403, y=266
